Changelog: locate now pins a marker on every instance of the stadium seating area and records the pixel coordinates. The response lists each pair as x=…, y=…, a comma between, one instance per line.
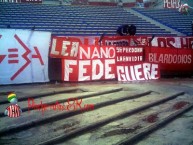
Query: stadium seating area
x=84, y=20
x=171, y=18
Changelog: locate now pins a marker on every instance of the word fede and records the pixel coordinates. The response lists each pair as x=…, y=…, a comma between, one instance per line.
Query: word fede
x=145, y=71
x=71, y=105
x=90, y=62
x=89, y=69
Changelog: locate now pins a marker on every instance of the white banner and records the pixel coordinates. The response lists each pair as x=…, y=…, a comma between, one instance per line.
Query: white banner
x=23, y=56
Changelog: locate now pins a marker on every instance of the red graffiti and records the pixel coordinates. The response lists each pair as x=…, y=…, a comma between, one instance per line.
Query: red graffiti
x=13, y=56
x=2, y=58
x=38, y=55
x=28, y=51
x=72, y=104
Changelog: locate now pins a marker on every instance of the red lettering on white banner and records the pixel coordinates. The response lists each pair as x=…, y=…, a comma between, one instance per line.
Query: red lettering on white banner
x=38, y=55
x=20, y=58
x=25, y=56
x=13, y=56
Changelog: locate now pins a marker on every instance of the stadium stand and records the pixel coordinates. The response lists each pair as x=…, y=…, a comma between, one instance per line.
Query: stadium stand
x=171, y=18
x=73, y=20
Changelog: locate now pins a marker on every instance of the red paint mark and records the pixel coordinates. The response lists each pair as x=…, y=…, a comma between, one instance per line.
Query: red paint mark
x=12, y=50
x=88, y=107
x=151, y=118
x=38, y=55
x=180, y=105
x=13, y=61
x=2, y=58
x=28, y=51
x=12, y=55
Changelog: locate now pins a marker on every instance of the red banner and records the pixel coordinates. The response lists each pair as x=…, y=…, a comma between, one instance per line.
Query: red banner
x=61, y=45
x=164, y=42
x=170, y=59
x=104, y=63
x=123, y=58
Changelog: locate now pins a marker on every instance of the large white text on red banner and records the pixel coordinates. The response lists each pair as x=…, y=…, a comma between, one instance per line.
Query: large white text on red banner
x=94, y=62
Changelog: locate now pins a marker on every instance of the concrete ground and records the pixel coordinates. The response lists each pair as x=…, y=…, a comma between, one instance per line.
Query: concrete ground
x=177, y=132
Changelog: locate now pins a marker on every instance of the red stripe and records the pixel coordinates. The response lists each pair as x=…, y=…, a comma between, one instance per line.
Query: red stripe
x=13, y=111
x=12, y=50
x=8, y=109
x=13, y=61
x=38, y=55
x=25, y=56
x=12, y=55
x=16, y=111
